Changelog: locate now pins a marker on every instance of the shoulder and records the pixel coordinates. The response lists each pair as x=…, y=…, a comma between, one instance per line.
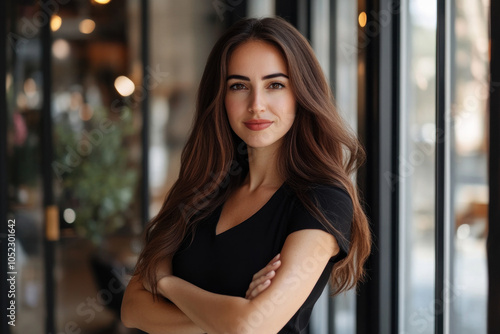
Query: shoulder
x=325, y=207
x=330, y=197
x=325, y=197
x=329, y=191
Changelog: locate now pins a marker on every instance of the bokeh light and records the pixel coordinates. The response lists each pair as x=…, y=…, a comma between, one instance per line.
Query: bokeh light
x=60, y=49
x=124, y=86
x=55, y=22
x=87, y=26
x=362, y=19
x=69, y=216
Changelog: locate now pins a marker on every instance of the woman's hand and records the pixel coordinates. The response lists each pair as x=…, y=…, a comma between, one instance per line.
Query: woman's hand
x=164, y=269
x=262, y=279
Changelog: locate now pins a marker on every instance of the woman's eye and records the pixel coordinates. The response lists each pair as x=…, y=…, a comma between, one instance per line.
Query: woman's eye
x=237, y=86
x=276, y=85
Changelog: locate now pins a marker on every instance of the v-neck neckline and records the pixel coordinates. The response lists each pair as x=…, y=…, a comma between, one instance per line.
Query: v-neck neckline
x=246, y=220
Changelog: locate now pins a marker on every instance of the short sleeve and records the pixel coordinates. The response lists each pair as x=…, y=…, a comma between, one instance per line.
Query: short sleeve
x=336, y=205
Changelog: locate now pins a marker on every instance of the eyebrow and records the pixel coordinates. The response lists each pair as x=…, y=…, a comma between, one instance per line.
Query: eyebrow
x=269, y=76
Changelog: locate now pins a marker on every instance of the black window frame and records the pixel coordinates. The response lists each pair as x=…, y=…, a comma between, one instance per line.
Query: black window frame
x=493, y=241
x=378, y=124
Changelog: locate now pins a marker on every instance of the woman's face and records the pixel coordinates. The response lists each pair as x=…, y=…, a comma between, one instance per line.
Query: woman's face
x=259, y=101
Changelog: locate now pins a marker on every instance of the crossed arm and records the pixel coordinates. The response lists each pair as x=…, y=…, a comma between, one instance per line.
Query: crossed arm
x=194, y=310
x=140, y=310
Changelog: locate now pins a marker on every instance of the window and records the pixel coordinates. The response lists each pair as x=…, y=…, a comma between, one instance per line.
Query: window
x=417, y=166
x=412, y=77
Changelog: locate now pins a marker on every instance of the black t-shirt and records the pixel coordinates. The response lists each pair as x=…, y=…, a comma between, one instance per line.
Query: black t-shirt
x=225, y=263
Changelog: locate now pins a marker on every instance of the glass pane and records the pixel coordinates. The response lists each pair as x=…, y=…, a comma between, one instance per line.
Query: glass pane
x=96, y=94
x=337, y=52
x=98, y=89
x=416, y=166
x=469, y=152
x=182, y=35
x=345, y=87
x=25, y=196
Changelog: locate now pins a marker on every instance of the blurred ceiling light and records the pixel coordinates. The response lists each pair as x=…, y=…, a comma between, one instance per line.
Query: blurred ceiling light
x=55, y=22
x=362, y=19
x=60, y=49
x=87, y=26
x=69, y=216
x=102, y=2
x=124, y=85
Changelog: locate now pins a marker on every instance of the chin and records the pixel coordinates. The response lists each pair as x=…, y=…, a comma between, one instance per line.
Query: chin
x=252, y=143
x=255, y=144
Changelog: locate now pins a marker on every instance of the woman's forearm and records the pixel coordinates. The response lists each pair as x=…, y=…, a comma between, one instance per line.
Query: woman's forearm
x=214, y=312
x=139, y=310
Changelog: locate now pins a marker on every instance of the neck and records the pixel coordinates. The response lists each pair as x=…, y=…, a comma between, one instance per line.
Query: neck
x=263, y=168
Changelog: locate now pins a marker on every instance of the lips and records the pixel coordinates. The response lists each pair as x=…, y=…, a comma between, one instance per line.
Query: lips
x=258, y=124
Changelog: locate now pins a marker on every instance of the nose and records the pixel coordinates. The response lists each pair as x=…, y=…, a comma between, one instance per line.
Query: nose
x=257, y=101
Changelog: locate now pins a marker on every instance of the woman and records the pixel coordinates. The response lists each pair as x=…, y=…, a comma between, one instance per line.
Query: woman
x=264, y=211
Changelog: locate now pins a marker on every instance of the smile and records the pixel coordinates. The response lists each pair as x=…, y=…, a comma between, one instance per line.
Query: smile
x=258, y=124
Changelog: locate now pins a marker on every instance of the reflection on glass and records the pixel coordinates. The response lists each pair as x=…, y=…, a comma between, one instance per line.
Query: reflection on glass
x=345, y=90
x=23, y=91
x=182, y=35
x=469, y=172
x=96, y=159
x=416, y=167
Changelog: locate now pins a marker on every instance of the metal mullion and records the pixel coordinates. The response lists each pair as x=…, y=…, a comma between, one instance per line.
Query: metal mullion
x=443, y=228
x=304, y=18
x=378, y=124
x=403, y=151
x=333, y=74
x=145, y=112
x=493, y=242
x=395, y=141
x=448, y=227
x=287, y=9
x=47, y=157
x=439, y=184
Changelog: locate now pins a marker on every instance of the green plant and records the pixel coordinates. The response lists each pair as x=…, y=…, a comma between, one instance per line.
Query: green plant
x=93, y=163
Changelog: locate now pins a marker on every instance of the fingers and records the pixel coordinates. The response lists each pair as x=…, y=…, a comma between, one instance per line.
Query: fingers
x=262, y=279
x=272, y=265
x=267, y=272
x=255, y=292
x=259, y=285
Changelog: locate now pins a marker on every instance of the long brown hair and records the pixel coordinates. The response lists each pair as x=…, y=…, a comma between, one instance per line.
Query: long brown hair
x=318, y=149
